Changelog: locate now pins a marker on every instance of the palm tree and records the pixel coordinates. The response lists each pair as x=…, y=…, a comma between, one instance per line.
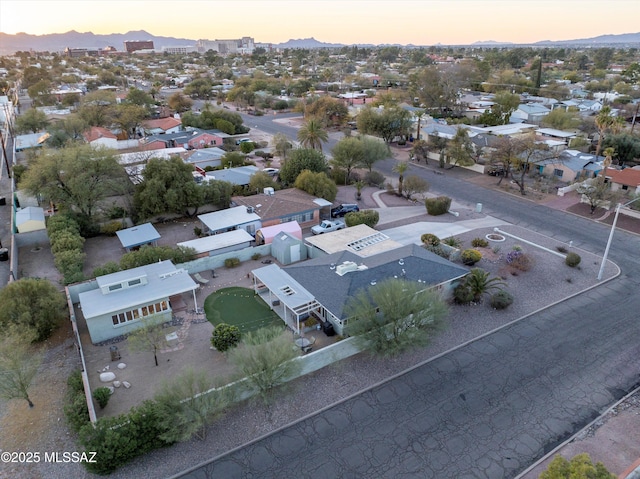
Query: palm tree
x=605, y=122
x=401, y=168
x=479, y=283
x=312, y=134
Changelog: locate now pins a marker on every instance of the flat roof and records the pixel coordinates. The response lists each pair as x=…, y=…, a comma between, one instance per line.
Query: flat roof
x=359, y=239
x=219, y=241
x=283, y=286
x=228, y=218
x=138, y=235
x=163, y=280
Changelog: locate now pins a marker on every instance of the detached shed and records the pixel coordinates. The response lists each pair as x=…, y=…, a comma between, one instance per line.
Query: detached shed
x=29, y=219
x=265, y=235
x=288, y=249
x=133, y=238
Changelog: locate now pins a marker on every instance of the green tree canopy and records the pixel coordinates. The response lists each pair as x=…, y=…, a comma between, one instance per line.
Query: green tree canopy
x=302, y=159
x=317, y=184
x=312, y=134
x=179, y=102
x=78, y=176
x=348, y=154
x=580, y=467
x=31, y=121
x=19, y=364
x=561, y=119
x=33, y=306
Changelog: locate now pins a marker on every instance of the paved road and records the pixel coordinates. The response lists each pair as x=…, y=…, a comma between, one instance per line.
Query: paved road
x=490, y=408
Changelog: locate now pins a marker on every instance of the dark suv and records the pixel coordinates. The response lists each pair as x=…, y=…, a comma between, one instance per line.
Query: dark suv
x=343, y=209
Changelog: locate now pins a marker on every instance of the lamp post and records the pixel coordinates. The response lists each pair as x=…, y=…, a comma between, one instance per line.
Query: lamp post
x=613, y=227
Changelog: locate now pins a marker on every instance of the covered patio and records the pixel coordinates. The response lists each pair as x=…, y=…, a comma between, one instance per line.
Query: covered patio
x=284, y=295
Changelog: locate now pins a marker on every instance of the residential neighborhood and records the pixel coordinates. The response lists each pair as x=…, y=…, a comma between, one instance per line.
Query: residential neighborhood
x=197, y=232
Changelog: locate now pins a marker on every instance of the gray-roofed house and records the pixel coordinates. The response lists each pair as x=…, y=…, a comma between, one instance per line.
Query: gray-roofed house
x=571, y=165
x=120, y=301
x=322, y=286
x=237, y=217
x=136, y=236
x=282, y=206
x=240, y=176
x=529, y=113
x=206, y=157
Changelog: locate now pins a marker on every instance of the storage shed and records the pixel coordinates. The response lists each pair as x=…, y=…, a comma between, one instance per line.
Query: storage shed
x=133, y=238
x=29, y=219
x=288, y=249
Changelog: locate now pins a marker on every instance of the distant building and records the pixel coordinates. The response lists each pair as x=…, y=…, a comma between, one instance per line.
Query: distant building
x=133, y=46
x=182, y=50
x=242, y=45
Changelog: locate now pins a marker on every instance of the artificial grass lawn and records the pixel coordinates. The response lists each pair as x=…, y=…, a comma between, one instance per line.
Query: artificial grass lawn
x=239, y=307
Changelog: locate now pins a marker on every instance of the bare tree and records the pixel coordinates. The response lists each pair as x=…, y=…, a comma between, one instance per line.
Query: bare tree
x=19, y=363
x=151, y=337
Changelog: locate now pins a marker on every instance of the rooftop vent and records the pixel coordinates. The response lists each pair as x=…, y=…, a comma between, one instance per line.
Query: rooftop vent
x=250, y=209
x=346, y=267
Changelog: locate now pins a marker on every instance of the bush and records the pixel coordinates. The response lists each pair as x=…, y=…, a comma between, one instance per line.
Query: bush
x=197, y=231
x=501, y=300
x=111, y=227
x=452, y=241
x=75, y=408
x=102, y=395
x=462, y=294
x=256, y=256
x=225, y=336
x=231, y=262
x=437, y=206
x=572, y=260
x=430, y=239
x=107, y=268
x=522, y=261
x=363, y=217
x=470, y=256
x=374, y=178
x=479, y=243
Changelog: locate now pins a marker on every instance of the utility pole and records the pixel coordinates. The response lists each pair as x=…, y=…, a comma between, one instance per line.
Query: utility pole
x=4, y=154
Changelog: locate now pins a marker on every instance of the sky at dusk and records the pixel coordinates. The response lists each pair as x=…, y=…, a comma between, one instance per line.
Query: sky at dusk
x=418, y=22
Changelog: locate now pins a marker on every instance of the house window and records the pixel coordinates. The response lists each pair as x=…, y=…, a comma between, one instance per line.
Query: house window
x=558, y=173
x=145, y=311
x=133, y=282
x=115, y=287
x=625, y=187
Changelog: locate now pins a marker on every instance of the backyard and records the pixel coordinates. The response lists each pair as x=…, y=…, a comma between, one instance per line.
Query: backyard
x=239, y=307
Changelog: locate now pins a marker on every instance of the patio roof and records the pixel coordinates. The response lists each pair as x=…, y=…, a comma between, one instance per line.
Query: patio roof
x=291, y=293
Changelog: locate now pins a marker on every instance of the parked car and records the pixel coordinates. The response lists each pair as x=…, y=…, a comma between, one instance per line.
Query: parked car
x=343, y=209
x=327, y=226
x=271, y=171
x=495, y=171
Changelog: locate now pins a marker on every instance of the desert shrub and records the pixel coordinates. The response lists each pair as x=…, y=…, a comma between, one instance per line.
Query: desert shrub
x=225, y=336
x=501, y=300
x=572, y=260
x=102, y=396
x=256, y=256
x=363, y=217
x=430, y=239
x=75, y=407
x=561, y=249
x=107, y=268
x=479, y=243
x=111, y=227
x=462, y=294
x=513, y=256
x=437, y=206
x=516, y=247
x=522, y=261
x=197, y=231
x=374, y=178
x=452, y=241
x=117, y=440
x=231, y=262
x=470, y=256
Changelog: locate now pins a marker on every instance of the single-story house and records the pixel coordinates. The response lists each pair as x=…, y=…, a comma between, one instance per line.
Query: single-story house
x=265, y=235
x=205, y=157
x=571, y=165
x=359, y=239
x=554, y=134
x=240, y=175
x=275, y=207
x=137, y=236
x=192, y=138
x=236, y=217
x=233, y=240
x=529, y=113
x=29, y=219
x=121, y=301
x=99, y=136
x=627, y=180
x=162, y=126
x=322, y=286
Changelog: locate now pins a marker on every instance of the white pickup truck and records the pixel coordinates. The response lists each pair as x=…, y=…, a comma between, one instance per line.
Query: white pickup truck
x=327, y=226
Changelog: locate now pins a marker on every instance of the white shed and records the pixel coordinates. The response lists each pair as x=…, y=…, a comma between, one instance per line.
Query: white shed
x=29, y=219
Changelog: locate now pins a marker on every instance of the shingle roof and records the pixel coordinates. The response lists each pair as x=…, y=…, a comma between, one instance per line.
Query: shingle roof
x=281, y=204
x=628, y=176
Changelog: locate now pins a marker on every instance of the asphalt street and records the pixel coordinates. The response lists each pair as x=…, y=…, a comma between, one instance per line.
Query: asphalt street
x=489, y=408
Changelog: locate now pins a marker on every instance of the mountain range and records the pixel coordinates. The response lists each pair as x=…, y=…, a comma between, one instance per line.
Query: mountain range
x=57, y=42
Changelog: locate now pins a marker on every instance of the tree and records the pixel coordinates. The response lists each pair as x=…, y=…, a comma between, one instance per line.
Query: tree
x=329, y=111
x=414, y=185
x=129, y=117
x=188, y=404
x=299, y=160
x=32, y=120
x=394, y=315
x=96, y=108
x=478, y=282
x=580, y=467
x=374, y=151
x=32, y=305
x=78, y=176
x=435, y=89
x=264, y=358
x=401, y=168
x=460, y=148
x=312, y=134
x=149, y=337
x=348, y=154
x=561, y=119
x=199, y=88
x=135, y=96
x=626, y=146
x=225, y=336
x=179, y=102
x=597, y=192
x=505, y=104
x=260, y=180
x=282, y=145
x=317, y=184
x=605, y=123
x=40, y=93
x=167, y=186
x=19, y=364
